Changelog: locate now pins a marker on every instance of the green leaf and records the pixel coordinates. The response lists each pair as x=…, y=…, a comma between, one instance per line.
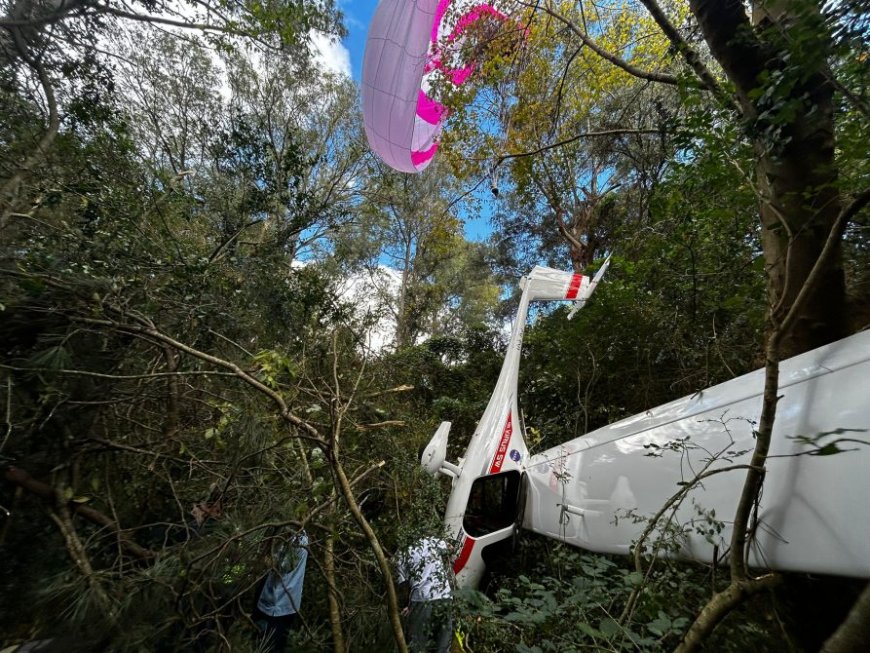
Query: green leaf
x=53, y=358
x=661, y=625
x=522, y=648
x=609, y=627
x=828, y=450
x=589, y=630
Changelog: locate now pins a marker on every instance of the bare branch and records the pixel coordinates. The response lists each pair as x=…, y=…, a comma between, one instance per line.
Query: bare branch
x=153, y=333
x=688, y=52
x=79, y=555
x=24, y=480
x=63, y=10
x=375, y=545
x=115, y=377
x=161, y=20
x=576, y=137
x=381, y=425
x=720, y=605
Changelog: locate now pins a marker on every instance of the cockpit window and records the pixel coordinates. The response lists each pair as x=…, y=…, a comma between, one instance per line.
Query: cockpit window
x=492, y=504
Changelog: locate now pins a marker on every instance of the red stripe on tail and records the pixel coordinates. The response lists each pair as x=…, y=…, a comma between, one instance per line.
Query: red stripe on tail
x=574, y=288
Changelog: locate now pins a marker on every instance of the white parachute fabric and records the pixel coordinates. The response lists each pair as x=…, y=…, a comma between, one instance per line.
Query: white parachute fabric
x=395, y=58
x=403, y=57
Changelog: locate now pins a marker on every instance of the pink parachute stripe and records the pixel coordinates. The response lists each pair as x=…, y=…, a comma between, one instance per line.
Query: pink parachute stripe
x=458, y=76
x=430, y=110
x=472, y=16
x=395, y=57
x=439, y=16
x=423, y=158
x=402, y=122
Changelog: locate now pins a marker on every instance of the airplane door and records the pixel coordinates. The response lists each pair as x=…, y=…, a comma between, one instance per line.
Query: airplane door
x=493, y=504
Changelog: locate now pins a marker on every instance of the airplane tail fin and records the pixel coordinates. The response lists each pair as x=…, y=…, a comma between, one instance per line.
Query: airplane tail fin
x=547, y=284
x=581, y=302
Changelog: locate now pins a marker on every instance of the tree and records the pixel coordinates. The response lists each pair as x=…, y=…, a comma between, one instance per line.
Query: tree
x=408, y=222
x=276, y=159
x=47, y=43
x=782, y=102
x=777, y=63
x=606, y=132
x=171, y=92
x=126, y=312
x=294, y=144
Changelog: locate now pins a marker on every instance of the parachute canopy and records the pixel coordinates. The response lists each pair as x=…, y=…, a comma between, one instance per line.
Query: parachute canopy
x=402, y=59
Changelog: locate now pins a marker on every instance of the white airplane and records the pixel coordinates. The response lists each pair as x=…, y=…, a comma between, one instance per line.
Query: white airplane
x=596, y=491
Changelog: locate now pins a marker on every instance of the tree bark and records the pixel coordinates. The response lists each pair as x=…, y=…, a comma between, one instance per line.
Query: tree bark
x=792, y=131
x=853, y=634
x=338, y=645
x=719, y=606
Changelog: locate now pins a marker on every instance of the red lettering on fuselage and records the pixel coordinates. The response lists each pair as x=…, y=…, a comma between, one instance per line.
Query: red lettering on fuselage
x=502, y=446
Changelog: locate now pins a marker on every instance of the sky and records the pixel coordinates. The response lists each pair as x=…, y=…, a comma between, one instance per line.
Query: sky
x=346, y=57
x=357, y=16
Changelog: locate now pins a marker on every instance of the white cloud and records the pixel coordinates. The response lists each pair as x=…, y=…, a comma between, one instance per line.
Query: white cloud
x=347, y=7
x=374, y=295
x=330, y=54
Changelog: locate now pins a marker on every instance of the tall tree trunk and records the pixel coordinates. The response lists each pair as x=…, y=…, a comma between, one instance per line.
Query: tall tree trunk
x=403, y=318
x=799, y=205
x=787, y=106
x=792, y=129
x=338, y=645
x=853, y=635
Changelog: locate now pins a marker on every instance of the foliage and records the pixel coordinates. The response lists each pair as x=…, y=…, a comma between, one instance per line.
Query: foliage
x=160, y=190
x=566, y=600
x=408, y=224
x=452, y=379
x=112, y=232
x=681, y=309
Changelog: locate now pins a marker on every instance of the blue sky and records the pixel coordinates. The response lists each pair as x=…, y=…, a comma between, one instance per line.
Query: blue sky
x=358, y=15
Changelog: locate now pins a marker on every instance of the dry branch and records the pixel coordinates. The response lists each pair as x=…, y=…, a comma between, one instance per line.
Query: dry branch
x=24, y=480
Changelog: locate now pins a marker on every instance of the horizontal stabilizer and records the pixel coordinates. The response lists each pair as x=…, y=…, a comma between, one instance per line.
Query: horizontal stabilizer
x=547, y=284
